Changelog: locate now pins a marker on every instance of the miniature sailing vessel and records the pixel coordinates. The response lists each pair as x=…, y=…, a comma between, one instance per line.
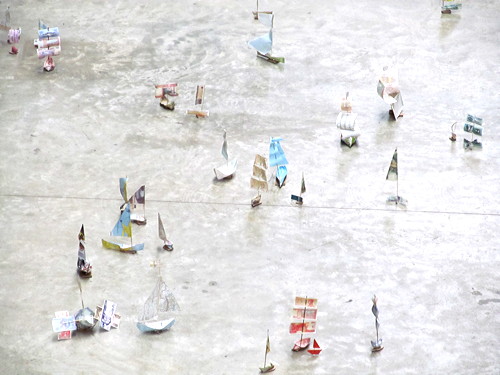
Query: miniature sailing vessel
x=316, y=349
x=199, y=112
x=106, y=316
x=229, y=168
x=63, y=324
x=474, y=126
x=392, y=174
x=453, y=137
x=161, y=300
x=137, y=202
x=167, y=245
x=388, y=90
x=270, y=367
x=122, y=229
x=449, y=5
x=346, y=121
x=259, y=178
x=13, y=35
x=264, y=43
x=304, y=321
x=298, y=198
x=257, y=12
x=48, y=44
x=277, y=159
x=163, y=92
x=84, y=319
x=83, y=266
x=377, y=344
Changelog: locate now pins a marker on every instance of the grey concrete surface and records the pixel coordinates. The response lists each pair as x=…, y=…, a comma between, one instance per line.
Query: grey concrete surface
x=68, y=135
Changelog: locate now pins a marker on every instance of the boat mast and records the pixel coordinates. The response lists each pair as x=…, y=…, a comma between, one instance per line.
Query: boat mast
x=303, y=321
x=267, y=342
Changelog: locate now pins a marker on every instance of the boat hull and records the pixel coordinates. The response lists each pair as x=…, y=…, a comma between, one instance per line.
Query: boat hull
x=121, y=247
x=256, y=201
x=198, y=114
x=157, y=326
x=301, y=345
x=268, y=368
x=226, y=170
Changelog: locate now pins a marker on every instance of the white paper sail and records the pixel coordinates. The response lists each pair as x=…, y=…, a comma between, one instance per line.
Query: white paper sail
x=224, y=148
x=161, y=229
x=267, y=19
x=160, y=300
x=263, y=44
x=346, y=120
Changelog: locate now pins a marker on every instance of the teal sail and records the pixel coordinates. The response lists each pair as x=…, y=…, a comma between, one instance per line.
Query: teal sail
x=123, y=226
x=263, y=44
x=276, y=153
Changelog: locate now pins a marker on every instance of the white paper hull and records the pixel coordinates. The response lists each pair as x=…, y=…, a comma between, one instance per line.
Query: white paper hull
x=226, y=170
x=157, y=326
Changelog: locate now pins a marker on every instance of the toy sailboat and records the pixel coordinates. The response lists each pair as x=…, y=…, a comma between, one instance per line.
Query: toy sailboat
x=48, y=45
x=303, y=321
x=474, y=126
x=83, y=266
x=199, y=112
x=277, y=159
x=123, y=228
x=164, y=92
x=228, y=169
x=257, y=12
x=13, y=35
x=259, y=178
x=392, y=174
x=267, y=367
x=161, y=300
x=388, y=90
x=137, y=202
x=298, y=198
x=316, y=349
x=346, y=122
x=377, y=344
x=167, y=245
x=106, y=315
x=447, y=6
x=264, y=44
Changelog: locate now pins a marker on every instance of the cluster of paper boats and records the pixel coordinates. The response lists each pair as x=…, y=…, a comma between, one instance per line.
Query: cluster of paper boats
x=160, y=302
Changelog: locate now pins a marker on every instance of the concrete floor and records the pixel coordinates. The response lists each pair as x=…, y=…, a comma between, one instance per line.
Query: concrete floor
x=68, y=135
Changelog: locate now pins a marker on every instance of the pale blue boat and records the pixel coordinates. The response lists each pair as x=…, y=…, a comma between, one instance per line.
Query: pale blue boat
x=278, y=159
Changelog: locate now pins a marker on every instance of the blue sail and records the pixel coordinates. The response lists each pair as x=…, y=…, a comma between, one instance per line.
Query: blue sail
x=123, y=227
x=276, y=153
x=263, y=44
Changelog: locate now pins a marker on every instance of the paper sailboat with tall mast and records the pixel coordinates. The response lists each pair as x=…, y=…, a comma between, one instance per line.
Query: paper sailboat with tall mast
x=167, y=245
x=166, y=93
x=346, y=122
x=259, y=178
x=48, y=45
x=298, y=198
x=267, y=367
x=388, y=89
x=304, y=316
x=227, y=169
x=393, y=174
x=160, y=301
x=83, y=267
x=198, y=102
x=474, y=126
x=264, y=43
x=13, y=34
x=278, y=159
x=447, y=6
x=121, y=231
x=377, y=344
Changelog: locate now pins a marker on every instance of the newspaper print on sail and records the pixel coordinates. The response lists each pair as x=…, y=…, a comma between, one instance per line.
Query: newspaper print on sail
x=169, y=89
x=307, y=302
x=81, y=249
x=123, y=227
x=200, y=93
x=303, y=327
x=304, y=313
x=107, y=316
x=161, y=300
x=139, y=197
x=392, y=173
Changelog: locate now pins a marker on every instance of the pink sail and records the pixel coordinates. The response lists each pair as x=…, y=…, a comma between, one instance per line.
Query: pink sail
x=302, y=327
